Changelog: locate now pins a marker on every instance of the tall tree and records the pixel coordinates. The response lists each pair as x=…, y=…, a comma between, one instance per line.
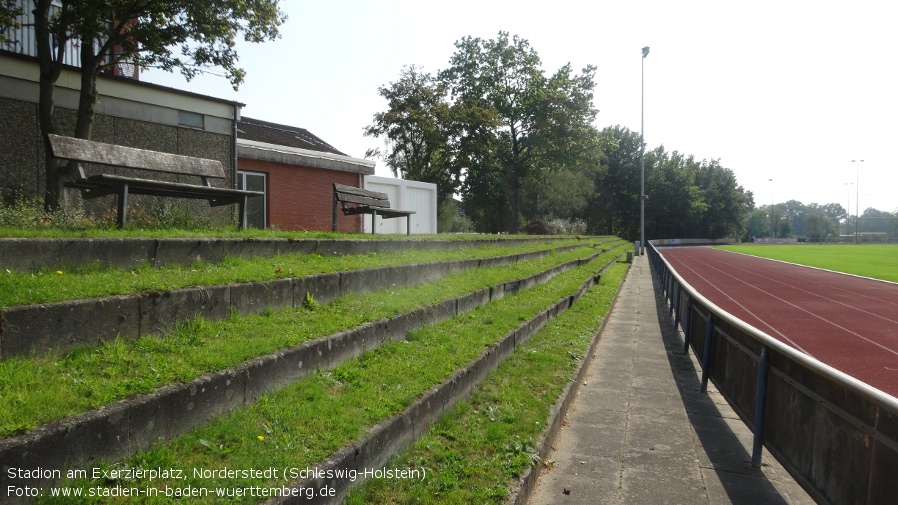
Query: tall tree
x=172, y=35
x=727, y=202
x=421, y=131
x=615, y=209
x=676, y=203
x=542, y=119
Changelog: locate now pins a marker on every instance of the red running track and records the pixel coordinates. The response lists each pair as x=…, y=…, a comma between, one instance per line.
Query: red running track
x=850, y=323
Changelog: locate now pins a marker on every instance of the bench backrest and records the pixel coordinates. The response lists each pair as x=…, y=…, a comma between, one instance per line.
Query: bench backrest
x=349, y=194
x=88, y=151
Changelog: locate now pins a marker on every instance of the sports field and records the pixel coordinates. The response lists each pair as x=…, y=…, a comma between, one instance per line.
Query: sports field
x=878, y=261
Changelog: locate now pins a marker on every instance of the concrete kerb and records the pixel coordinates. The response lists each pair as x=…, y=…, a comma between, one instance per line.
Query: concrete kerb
x=21, y=254
x=525, y=485
x=59, y=326
x=423, y=412
x=139, y=422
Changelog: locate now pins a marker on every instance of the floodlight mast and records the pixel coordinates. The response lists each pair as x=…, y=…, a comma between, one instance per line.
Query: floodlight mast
x=645, y=52
x=857, y=202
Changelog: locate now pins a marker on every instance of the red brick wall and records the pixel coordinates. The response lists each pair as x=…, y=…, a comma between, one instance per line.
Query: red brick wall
x=301, y=198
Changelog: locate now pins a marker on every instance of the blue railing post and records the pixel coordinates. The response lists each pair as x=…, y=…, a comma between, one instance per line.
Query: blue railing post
x=687, y=327
x=760, y=407
x=706, y=357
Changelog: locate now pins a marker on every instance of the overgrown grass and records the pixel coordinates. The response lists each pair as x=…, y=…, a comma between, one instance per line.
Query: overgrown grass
x=304, y=423
x=878, y=261
x=476, y=451
x=38, y=390
x=50, y=285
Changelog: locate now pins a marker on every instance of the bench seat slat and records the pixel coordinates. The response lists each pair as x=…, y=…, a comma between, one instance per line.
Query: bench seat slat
x=361, y=200
x=349, y=190
x=89, y=151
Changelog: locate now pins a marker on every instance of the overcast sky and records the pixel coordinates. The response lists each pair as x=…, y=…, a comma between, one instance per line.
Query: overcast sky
x=786, y=90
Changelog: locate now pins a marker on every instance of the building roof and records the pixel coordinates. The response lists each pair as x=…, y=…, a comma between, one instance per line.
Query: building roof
x=282, y=135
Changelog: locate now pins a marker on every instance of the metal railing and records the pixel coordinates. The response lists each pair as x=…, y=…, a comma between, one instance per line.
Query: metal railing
x=837, y=436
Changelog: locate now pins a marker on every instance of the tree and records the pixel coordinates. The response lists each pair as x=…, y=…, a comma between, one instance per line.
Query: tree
x=9, y=13
x=615, y=208
x=727, y=202
x=420, y=132
x=675, y=203
x=818, y=227
x=563, y=193
x=184, y=35
x=542, y=121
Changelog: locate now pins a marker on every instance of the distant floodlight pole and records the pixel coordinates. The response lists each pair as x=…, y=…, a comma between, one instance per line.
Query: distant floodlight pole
x=772, y=226
x=848, y=210
x=645, y=52
x=857, y=202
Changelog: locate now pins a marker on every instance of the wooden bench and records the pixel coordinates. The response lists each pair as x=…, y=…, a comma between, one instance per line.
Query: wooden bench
x=356, y=201
x=94, y=186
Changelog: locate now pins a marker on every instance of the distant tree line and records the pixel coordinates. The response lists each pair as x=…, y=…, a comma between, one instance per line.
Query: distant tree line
x=520, y=149
x=821, y=223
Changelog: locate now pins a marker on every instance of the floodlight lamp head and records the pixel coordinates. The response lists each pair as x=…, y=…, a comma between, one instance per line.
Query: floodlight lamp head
x=645, y=51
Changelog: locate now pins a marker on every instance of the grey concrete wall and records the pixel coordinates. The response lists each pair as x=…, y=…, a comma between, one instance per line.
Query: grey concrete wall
x=127, y=426
x=25, y=255
x=58, y=327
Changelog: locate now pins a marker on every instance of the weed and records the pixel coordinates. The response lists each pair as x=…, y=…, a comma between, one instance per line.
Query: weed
x=310, y=303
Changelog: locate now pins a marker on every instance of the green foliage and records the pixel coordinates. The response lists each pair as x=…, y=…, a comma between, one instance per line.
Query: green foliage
x=9, y=17
x=18, y=211
x=450, y=219
x=420, y=132
x=487, y=126
x=686, y=198
x=310, y=303
x=819, y=227
x=176, y=35
x=544, y=122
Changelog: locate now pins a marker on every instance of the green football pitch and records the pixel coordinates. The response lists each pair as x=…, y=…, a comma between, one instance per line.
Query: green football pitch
x=876, y=261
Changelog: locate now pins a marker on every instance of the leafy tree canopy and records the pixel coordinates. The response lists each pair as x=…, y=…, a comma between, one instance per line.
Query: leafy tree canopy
x=185, y=35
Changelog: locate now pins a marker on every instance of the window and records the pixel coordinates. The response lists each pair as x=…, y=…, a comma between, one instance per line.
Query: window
x=257, y=206
x=191, y=119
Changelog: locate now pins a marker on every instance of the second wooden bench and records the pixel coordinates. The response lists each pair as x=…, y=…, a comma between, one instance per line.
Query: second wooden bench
x=356, y=201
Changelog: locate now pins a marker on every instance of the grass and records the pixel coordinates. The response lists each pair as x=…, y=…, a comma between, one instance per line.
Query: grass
x=475, y=452
x=876, y=261
x=304, y=423
x=38, y=390
x=51, y=285
x=225, y=232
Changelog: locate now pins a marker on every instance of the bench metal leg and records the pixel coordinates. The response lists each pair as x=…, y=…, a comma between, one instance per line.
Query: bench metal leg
x=335, y=213
x=242, y=203
x=123, y=205
x=408, y=225
x=373, y=217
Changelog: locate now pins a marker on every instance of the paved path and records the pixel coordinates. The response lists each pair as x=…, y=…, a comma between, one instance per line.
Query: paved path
x=641, y=432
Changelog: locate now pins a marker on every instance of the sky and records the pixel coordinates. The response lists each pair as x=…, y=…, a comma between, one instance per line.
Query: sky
x=785, y=93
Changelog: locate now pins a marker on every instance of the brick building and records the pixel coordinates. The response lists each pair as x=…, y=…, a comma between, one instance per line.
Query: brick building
x=296, y=170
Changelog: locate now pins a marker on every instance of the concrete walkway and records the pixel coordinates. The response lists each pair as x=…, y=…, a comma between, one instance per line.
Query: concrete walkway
x=641, y=432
